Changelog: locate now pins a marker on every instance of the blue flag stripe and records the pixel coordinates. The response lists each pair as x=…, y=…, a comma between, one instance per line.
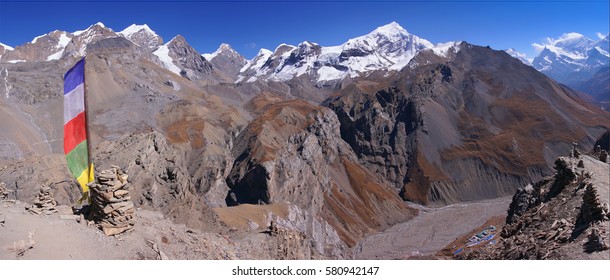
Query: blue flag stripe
x=74, y=76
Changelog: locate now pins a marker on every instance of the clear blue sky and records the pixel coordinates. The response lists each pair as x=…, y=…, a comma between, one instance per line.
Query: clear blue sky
x=249, y=26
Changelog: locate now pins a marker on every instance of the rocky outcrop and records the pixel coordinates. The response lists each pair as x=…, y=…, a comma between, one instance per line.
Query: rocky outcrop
x=562, y=217
x=193, y=65
x=227, y=61
x=167, y=178
x=293, y=152
x=524, y=199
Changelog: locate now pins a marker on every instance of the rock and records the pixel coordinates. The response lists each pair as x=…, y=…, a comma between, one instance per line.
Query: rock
x=603, y=156
x=163, y=256
x=596, y=241
x=4, y=192
x=112, y=214
x=253, y=225
x=44, y=202
x=523, y=200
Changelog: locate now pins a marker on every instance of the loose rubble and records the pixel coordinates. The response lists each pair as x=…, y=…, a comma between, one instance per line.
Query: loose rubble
x=111, y=207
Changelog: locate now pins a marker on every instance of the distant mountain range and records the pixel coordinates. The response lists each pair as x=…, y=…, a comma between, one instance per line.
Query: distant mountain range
x=573, y=59
x=576, y=61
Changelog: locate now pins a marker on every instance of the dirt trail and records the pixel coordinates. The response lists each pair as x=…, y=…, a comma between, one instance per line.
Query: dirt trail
x=431, y=230
x=52, y=238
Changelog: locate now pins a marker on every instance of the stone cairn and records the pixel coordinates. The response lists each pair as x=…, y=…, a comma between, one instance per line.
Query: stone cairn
x=44, y=202
x=592, y=208
x=111, y=207
x=4, y=192
x=574, y=153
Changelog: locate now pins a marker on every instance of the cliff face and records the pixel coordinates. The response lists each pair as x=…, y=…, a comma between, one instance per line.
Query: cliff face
x=293, y=152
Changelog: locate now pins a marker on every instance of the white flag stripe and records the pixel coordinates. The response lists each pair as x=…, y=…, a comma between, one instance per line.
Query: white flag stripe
x=74, y=103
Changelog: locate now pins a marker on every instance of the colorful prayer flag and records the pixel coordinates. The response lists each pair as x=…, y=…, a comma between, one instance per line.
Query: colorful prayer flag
x=75, y=126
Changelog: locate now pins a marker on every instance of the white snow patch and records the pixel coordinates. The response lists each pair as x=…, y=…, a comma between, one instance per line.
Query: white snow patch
x=521, y=56
x=327, y=73
x=223, y=47
x=16, y=61
x=7, y=47
x=63, y=40
x=61, y=46
x=209, y=56
x=36, y=38
x=134, y=28
x=258, y=60
x=602, y=51
x=163, y=54
x=560, y=51
x=251, y=80
x=443, y=49
x=79, y=32
x=56, y=55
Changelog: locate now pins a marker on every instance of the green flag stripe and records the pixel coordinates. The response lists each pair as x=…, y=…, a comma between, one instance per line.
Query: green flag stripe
x=77, y=159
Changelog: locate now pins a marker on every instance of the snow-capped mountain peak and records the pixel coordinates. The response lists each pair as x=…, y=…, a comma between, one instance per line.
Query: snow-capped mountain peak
x=571, y=57
x=390, y=29
x=142, y=35
x=223, y=48
x=388, y=47
x=90, y=28
x=134, y=28
x=519, y=55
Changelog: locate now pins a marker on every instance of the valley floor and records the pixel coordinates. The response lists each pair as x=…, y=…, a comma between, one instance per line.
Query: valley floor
x=431, y=230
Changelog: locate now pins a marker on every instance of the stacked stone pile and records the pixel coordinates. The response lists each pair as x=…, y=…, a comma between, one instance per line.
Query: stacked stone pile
x=592, y=208
x=44, y=202
x=596, y=241
x=111, y=207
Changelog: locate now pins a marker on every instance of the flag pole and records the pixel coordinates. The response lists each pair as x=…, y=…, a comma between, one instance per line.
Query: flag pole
x=89, y=157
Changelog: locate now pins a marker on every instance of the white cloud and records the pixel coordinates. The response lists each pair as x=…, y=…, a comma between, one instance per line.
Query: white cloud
x=538, y=47
x=250, y=45
x=600, y=35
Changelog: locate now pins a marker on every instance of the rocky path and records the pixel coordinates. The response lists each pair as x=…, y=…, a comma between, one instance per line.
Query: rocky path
x=59, y=236
x=430, y=231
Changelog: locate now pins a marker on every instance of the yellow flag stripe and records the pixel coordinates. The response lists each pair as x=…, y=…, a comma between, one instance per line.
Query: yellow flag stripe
x=85, y=177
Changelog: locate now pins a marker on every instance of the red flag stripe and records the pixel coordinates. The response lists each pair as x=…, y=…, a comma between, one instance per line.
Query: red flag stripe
x=74, y=132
